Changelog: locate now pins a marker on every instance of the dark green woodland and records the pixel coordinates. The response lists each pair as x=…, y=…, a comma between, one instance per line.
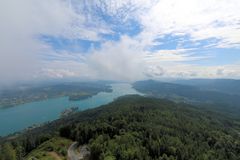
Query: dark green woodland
x=135, y=127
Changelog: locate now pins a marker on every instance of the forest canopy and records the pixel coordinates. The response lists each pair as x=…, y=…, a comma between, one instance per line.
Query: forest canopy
x=135, y=127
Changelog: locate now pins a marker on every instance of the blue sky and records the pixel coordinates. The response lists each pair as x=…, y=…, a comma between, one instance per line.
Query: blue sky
x=89, y=39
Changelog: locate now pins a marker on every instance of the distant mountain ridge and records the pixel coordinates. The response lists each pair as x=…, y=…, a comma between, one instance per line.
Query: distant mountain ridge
x=230, y=86
x=190, y=94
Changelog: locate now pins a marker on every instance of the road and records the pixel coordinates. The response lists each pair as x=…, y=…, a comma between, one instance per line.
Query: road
x=72, y=155
x=75, y=154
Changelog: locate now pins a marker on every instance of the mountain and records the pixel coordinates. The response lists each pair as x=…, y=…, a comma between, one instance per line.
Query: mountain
x=230, y=86
x=133, y=127
x=191, y=94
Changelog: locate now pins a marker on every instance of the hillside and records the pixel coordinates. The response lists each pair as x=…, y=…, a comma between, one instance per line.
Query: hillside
x=230, y=86
x=135, y=127
x=216, y=100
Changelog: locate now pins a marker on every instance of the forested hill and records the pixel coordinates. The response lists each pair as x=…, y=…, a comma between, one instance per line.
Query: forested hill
x=230, y=86
x=135, y=127
x=192, y=94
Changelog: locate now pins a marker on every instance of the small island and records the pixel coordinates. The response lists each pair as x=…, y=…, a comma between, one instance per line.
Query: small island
x=80, y=96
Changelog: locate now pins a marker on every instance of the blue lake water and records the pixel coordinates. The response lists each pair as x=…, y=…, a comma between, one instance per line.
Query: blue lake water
x=22, y=116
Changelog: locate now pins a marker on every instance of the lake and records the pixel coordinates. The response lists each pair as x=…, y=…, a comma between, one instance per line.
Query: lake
x=22, y=116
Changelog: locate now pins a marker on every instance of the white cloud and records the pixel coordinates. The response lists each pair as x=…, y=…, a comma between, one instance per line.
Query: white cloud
x=118, y=60
x=23, y=56
x=200, y=19
x=180, y=70
x=21, y=24
x=127, y=60
x=176, y=55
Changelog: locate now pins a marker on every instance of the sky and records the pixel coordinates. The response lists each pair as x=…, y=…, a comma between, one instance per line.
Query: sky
x=124, y=40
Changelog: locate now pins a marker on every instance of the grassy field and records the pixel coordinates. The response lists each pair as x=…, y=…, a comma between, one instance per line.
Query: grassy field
x=53, y=149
